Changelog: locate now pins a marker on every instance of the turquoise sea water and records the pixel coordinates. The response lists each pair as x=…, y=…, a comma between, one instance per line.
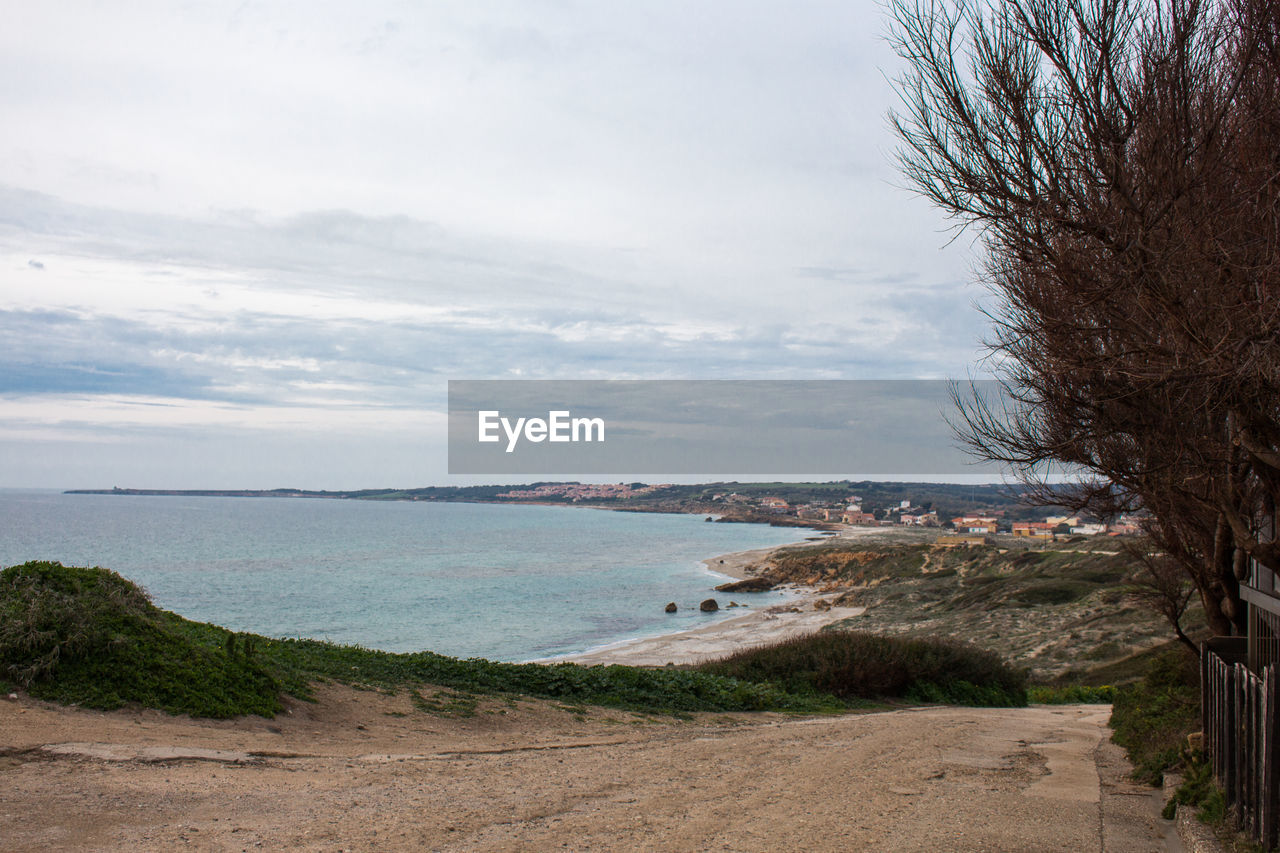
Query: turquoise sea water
x=468, y=580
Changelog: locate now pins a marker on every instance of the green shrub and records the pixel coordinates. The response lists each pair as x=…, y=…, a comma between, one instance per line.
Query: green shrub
x=1072, y=694
x=855, y=665
x=1200, y=790
x=90, y=637
x=1152, y=718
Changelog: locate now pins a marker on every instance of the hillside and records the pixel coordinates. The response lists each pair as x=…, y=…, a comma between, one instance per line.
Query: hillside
x=1060, y=610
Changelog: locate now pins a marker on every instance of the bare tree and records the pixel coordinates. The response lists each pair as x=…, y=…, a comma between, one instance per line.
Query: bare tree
x=1164, y=586
x=1120, y=160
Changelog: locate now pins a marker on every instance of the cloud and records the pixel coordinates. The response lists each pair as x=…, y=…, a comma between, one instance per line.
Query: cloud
x=330, y=208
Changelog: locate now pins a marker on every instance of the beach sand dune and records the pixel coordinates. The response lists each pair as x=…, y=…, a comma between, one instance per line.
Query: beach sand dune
x=364, y=771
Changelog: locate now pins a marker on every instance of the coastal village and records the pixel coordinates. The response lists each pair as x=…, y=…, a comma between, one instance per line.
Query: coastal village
x=962, y=530
x=850, y=510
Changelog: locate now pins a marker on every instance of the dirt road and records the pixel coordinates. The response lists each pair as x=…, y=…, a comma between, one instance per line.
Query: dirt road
x=363, y=771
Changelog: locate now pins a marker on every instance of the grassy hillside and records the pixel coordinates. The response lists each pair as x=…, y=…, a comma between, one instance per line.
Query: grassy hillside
x=1060, y=611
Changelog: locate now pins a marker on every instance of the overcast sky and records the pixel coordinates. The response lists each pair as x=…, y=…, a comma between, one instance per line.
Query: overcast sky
x=247, y=244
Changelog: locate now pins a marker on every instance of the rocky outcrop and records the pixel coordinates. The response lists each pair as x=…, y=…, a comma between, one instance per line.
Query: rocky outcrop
x=671, y=607
x=709, y=606
x=763, y=583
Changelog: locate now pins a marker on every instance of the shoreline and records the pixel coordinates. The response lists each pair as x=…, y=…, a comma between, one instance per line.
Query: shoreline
x=797, y=617
x=757, y=618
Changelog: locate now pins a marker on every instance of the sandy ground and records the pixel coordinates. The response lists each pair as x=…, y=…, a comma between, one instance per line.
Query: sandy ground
x=751, y=627
x=363, y=771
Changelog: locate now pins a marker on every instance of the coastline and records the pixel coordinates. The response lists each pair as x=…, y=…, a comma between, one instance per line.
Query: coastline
x=799, y=616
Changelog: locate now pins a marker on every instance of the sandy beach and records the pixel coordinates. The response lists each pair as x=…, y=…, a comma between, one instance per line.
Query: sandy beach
x=804, y=612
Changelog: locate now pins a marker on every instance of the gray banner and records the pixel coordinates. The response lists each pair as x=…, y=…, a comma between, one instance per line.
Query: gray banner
x=747, y=427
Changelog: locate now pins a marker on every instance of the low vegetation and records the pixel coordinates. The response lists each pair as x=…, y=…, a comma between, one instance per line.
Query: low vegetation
x=1071, y=694
x=90, y=637
x=300, y=662
x=1200, y=791
x=1153, y=716
x=853, y=665
x=1059, y=609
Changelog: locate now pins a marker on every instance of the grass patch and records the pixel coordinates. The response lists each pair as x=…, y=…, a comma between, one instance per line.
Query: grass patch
x=853, y=665
x=1199, y=790
x=1052, y=592
x=668, y=690
x=1127, y=670
x=445, y=703
x=90, y=637
x=1071, y=694
x=1152, y=717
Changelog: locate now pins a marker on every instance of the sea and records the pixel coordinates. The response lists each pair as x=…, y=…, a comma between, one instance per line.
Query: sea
x=494, y=581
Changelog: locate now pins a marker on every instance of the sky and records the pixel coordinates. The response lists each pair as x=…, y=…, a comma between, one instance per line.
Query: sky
x=246, y=245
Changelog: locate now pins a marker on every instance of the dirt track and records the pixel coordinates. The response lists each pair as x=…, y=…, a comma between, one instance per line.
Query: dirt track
x=351, y=773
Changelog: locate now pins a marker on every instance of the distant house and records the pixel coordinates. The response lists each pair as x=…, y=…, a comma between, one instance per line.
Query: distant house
x=1088, y=529
x=1034, y=529
x=773, y=503
x=1127, y=524
x=858, y=518
x=975, y=525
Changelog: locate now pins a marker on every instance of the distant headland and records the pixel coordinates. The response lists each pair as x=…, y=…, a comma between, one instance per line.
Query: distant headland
x=811, y=504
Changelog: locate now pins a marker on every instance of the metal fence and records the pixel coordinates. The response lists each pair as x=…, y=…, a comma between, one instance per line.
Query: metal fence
x=1239, y=708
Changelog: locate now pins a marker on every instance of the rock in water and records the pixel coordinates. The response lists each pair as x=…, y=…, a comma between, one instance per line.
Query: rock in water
x=760, y=583
x=671, y=607
x=709, y=606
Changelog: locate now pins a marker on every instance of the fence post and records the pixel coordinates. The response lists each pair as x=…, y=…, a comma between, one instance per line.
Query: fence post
x=1217, y=751
x=1271, y=759
x=1230, y=728
x=1258, y=760
x=1206, y=719
x=1245, y=760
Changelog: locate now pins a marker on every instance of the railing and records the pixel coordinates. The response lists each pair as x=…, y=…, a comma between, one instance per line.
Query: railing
x=1239, y=710
x=1264, y=637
